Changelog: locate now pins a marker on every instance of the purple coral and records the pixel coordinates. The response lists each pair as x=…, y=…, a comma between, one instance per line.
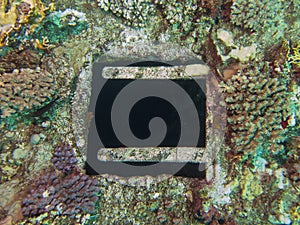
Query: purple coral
x=64, y=158
x=65, y=191
x=69, y=195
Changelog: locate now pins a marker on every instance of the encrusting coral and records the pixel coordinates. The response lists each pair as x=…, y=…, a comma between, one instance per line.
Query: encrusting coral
x=42, y=54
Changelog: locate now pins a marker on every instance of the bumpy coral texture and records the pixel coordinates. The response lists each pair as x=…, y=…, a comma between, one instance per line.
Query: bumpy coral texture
x=65, y=191
x=134, y=12
x=25, y=90
x=19, y=59
x=64, y=158
x=257, y=105
x=268, y=20
x=182, y=16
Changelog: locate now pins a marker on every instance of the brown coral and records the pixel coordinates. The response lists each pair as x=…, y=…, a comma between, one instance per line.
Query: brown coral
x=3, y=214
x=25, y=90
x=257, y=103
x=292, y=164
x=19, y=59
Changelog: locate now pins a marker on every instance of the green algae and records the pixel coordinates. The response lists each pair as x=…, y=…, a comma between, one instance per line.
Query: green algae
x=56, y=28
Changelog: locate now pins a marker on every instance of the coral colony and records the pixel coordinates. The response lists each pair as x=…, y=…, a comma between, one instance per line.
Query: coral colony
x=47, y=51
x=25, y=90
x=64, y=191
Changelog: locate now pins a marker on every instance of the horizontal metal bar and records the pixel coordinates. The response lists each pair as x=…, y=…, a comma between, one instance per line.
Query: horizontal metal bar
x=151, y=168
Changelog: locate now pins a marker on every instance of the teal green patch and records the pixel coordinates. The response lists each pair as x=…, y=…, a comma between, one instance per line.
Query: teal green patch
x=154, y=206
x=57, y=28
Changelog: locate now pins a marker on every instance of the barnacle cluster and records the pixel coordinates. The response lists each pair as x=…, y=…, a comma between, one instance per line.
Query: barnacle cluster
x=258, y=104
x=24, y=90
